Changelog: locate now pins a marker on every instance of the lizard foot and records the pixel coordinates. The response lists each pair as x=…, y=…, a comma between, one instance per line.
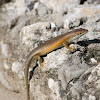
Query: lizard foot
x=42, y=65
x=72, y=49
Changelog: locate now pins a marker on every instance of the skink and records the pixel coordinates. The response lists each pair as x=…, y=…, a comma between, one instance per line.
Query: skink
x=48, y=46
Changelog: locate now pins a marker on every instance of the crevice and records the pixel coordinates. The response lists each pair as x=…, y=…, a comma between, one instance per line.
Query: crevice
x=82, y=21
x=82, y=1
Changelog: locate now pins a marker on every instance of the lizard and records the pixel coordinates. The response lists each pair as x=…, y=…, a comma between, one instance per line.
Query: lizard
x=47, y=47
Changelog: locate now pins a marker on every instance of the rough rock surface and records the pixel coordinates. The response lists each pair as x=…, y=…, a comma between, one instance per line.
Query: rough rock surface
x=25, y=24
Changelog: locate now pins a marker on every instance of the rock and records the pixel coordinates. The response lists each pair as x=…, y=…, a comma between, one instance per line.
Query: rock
x=4, y=49
x=6, y=66
x=76, y=89
x=93, y=51
x=70, y=66
x=93, y=1
x=77, y=16
x=62, y=9
x=36, y=5
x=4, y=1
x=20, y=9
x=36, y=32
x=54, y=89
x=93, y=60
x=56, y=5
x=16, y=66
x=71, y=70
x=65, y=75
x=12, y=11
x=4, y=82
x=43, y=10
x=92, y=97
x=93, y=83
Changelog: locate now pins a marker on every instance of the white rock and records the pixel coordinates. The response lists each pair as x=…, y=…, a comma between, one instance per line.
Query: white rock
x=36, y=5
x=94, y=79
x=16, y=66
x=21, y=74
x=6, y=66
x=66, y=23
x=11, y=11
x=55, y=4
x=76, y=13
x=55, y=34
x=4, y=81
x=50, y=82
x=20, y=7
x=33, y=32
x=92, y=97
x=53, y=25
x=54, y=87
x=62, y=8
x=4, y=49
x=93, y=60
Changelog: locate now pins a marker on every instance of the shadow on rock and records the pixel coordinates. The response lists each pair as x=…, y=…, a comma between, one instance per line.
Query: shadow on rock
x=86, y=43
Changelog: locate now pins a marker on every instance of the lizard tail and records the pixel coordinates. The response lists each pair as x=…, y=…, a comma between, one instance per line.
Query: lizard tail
x=30, y=57
x=27, y=74
x=26, y=79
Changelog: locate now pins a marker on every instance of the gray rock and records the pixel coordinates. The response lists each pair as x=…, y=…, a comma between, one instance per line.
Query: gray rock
x=36, y=32
x=78, y=16
x=11, y=11
x=73, y=68
x=93, y=1
x=43, y=10
x=65, y=75
x=57, y=4
x=4, y=82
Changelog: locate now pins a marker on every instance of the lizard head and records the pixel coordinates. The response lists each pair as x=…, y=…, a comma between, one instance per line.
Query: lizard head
x=81, y=31
x=78, y=33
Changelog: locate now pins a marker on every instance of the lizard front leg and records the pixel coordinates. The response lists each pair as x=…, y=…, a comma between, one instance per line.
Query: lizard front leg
x=65, y=44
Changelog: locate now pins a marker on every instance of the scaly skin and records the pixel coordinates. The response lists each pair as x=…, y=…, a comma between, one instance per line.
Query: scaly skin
x=50, y=45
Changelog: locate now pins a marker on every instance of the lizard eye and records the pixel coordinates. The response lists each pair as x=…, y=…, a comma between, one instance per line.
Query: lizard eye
x=79, y=32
